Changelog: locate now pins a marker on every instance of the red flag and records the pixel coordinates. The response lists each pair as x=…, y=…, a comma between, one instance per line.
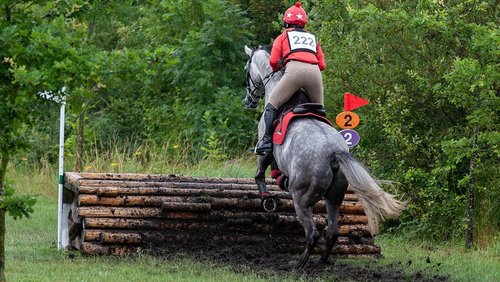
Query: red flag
x=352, y=102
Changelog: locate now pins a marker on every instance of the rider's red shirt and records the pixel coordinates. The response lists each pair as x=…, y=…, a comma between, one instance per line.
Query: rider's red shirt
x=281, y=49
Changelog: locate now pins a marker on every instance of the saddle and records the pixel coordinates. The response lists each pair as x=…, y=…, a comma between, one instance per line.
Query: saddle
x=298, y=107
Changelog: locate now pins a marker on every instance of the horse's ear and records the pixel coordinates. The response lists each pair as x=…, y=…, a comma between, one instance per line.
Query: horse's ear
x=248, y=50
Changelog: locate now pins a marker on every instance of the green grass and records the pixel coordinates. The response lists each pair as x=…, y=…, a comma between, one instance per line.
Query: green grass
x=442, y=258
x=31, y=252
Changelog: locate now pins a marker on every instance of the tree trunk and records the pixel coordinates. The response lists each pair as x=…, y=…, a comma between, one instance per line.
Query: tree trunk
x=4, y=160
x=469, y=240
x=79, y=142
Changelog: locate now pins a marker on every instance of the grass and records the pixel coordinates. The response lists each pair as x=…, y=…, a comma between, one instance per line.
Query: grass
x=31, y=255
x=31, y=252
x=447, y=258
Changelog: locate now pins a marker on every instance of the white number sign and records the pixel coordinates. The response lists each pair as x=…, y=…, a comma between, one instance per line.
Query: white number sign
x=300, y=40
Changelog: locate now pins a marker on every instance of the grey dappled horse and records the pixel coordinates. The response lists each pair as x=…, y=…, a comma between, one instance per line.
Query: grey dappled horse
x=317, y=161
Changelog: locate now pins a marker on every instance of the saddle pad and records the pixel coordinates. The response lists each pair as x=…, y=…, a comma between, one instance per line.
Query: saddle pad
x=280, y=130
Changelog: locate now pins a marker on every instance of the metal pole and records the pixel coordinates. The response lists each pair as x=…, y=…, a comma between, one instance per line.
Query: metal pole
x=61, y=177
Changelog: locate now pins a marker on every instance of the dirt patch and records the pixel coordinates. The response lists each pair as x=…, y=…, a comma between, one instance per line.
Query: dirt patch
x=267, y=260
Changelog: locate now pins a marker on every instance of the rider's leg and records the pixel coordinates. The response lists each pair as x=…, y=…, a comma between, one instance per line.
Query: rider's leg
x=313, y=83
x=265, y=144
x=291, y=81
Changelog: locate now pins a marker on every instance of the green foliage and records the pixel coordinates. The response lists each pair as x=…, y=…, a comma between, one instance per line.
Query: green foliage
x=430, y=71
x=18, y=206
x=160, y=89
x=263, y=15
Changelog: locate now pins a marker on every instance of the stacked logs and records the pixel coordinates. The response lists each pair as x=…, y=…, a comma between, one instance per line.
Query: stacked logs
x=123, y=213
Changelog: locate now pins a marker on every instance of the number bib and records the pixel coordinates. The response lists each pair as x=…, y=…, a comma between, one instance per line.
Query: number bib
x=301, y=41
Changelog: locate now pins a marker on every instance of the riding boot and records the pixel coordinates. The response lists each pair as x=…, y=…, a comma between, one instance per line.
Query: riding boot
x=265, y=145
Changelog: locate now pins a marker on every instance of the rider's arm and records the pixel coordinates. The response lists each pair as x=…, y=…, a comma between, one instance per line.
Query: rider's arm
x=277, y=52
x=321, y=57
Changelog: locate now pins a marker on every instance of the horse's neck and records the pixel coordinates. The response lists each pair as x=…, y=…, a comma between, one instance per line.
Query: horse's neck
x=271, y=84
x=272, y=81
x=264, y=67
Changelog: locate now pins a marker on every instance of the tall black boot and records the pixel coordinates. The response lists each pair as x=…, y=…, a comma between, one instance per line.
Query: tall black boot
x=265, y=145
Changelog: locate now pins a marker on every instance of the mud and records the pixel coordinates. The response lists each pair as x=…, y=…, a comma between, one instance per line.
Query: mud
x=270, y=260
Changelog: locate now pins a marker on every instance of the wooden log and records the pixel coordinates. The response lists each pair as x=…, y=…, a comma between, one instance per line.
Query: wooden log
x=213, y=203
x=172, y=185
x=114, y=250
x=134, y=212
x=161, y=178
x=120, y=238
x=216, y=203
x=165, y=191
x=185, y=207
x=355, y=230
x=90, y=187
x=94, y=249
x=138, y=237
x=221, y=200
x=71, y=181
x=130, y=223
x=188, y=192
x=121, y=250
x=167, y=226
x=146, y=212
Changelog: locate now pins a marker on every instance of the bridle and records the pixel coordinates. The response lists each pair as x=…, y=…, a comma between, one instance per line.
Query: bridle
x=258, y=90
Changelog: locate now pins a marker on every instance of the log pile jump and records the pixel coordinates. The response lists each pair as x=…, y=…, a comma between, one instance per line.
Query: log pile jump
x=118, y=214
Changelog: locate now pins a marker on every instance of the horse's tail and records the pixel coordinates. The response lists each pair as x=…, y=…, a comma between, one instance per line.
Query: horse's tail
x=376, y=202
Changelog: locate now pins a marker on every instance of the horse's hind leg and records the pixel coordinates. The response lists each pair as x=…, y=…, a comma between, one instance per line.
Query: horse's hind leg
x=305, y=216
x=333, y=199
x=332, y=232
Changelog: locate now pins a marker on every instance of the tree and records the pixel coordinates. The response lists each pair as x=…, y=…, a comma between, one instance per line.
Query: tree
x=425, y=66
x=40, y=50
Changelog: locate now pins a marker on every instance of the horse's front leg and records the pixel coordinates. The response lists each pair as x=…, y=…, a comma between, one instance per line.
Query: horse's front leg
x=268, y=202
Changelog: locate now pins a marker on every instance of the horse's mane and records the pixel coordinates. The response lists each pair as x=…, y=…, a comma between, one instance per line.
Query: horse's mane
x=266, y=48
x=262, y=59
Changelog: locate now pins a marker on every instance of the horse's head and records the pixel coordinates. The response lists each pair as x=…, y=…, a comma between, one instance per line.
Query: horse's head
x=255, y=85
x=258, y=74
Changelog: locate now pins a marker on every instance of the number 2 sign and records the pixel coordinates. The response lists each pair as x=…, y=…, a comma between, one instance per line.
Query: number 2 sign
x=351, y=137
x=347, y=120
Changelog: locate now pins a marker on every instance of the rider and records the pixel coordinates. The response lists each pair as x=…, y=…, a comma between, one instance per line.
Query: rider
x=300, y=52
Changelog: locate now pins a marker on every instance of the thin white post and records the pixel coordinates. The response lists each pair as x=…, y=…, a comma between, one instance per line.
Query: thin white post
x=61, y=240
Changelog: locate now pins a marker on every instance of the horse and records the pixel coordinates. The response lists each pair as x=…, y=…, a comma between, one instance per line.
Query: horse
x=317, y=161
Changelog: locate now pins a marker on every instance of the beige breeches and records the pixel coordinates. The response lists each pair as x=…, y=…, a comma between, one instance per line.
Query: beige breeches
x=298, y=75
